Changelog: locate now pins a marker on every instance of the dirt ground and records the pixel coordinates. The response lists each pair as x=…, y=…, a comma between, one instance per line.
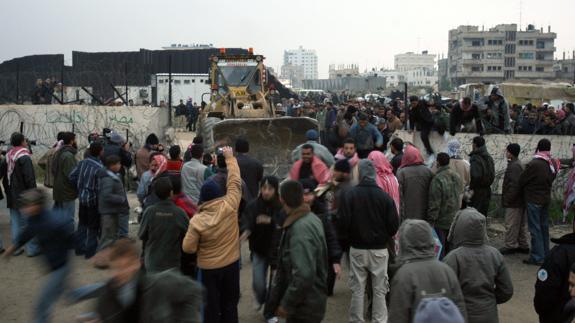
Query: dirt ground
x=22, y=277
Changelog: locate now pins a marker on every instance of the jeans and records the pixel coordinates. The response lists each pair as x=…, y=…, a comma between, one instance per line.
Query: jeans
x=17, y=225
x=538, y=223
x=123, y=225
x=87, y=240
x=88, y=231
x=222, y=293
x=259, y=277
x=66, y=208
x=110, y=230
x=52, y=290
x=364, y=263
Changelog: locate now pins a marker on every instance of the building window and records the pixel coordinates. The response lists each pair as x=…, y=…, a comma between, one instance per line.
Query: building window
x=540, y=57
x=160, y=81
x=186, y=81
x=526, y=55
x=509, y=61
x=177, y=81
x=475, y=56
x=540, y=69
x=540, y=44
x=510, y=49
x=476, y=43
x=478, y=68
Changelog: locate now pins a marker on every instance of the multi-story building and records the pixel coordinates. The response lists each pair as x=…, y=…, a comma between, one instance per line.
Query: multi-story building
x=421, y=77
x=343, y=71
x=500, y=53
x=412, y=61
x=303, y=57
x=392, y=77
x=565, y=68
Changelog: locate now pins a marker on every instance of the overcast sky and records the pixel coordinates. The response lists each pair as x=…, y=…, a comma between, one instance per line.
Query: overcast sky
x=364, y=32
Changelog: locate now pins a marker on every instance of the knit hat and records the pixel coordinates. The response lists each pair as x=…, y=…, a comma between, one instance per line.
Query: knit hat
x=454, y=148
x=311, y=134
x=343, y=166
x=210, y=191
x=514, y=149
x=117, y=138
x=437, y=309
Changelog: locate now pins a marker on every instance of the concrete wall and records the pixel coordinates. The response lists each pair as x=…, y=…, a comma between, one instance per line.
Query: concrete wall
x=43, y=122
x=496, y=144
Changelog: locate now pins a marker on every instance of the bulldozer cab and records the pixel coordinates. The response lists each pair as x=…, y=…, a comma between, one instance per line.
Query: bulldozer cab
x=241, y=106
x=238, y=87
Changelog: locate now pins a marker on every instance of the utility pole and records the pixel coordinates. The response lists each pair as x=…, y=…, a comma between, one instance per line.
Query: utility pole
x=17, y=83
x=126, y=81
x=62, y=83
x=170, y=90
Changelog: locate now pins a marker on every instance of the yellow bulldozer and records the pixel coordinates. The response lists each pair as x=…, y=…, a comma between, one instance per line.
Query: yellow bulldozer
x=242, y=105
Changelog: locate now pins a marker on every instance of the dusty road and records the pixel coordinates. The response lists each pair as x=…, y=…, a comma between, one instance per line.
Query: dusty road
x=22, y=277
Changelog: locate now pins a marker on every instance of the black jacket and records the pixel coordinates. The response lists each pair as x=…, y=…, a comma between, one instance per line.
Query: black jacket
x=420, y=117
x=251, y=171
x=511, y=191
x=113, y=149
x=552, y=285
x=23, y=178
x=368, y=216
x=334, y=250
x=482, y=169
x=396, y=162
x=536, y=181
x=459, y=117
x=264, y=238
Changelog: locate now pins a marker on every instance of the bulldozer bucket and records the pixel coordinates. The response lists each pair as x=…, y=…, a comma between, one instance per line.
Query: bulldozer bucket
x=271, y=139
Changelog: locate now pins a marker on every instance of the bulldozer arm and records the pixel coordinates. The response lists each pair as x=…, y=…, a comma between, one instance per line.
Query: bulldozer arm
x=271, y=139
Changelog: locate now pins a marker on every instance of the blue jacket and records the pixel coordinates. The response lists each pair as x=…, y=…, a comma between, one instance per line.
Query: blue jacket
x=55, y=234
x=85, y=178
x=366, y=138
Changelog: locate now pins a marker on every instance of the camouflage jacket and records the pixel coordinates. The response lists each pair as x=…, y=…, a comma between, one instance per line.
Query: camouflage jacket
x=444, y=198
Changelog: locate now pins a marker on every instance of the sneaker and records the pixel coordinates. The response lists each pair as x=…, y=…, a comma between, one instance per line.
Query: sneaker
x=532, y=262
x=273, y=320
x=524, y=251
x=507, y=251
x=18, y=252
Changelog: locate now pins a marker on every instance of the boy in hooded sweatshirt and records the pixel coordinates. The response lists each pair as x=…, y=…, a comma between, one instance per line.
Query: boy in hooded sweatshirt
x=112, y=202
x=420, y=274
x=484, y=278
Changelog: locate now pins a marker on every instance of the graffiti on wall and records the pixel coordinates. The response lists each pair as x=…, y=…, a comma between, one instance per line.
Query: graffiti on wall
x=42, y=123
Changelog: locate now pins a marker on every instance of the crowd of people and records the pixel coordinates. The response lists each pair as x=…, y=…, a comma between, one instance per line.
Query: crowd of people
x=413, y=238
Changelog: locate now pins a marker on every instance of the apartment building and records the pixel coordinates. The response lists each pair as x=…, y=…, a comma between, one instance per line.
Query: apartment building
x=499, y=54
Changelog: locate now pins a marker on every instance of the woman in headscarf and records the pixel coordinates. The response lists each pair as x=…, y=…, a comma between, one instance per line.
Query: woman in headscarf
x=569, y=196
x=456, y=162
x=159, y=168
x=414, y=179
x=385, y=178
